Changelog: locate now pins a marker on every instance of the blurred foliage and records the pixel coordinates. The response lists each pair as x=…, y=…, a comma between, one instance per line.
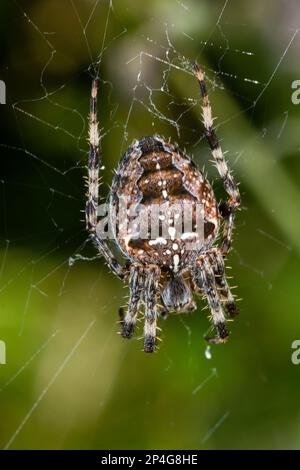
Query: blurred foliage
x=70, y=382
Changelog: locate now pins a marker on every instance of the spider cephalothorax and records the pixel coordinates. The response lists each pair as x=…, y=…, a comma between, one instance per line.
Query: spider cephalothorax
x=164, y=218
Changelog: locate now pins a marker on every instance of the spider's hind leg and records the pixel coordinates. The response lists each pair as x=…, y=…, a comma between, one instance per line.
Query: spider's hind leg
x=136, y=282
x=151, y=290
x=204, y=278
x=217, y=261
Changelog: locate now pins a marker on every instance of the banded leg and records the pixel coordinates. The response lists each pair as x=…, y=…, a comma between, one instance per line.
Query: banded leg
x=204, y=278
x=222, y=284
x=94, y=161
x=151, y=308
x=227, y=208
x=136, y=282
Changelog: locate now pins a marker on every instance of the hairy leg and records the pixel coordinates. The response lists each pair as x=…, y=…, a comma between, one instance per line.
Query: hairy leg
x=136, y=283
x=91, y=207
x=217, y=262
x=228, y=207
x=204, y=278
x=151, y=307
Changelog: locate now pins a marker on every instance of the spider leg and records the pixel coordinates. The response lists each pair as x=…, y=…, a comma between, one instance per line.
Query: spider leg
x=136, y=282
x=94, y=161
x=78, y=257
x=151, y=309
x=222, y=284
x=227, y=208
x=204, y=278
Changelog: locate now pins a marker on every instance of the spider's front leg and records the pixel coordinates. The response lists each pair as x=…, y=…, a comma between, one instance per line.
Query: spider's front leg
x=91, y=207
x=227, y=208
x=204, y=279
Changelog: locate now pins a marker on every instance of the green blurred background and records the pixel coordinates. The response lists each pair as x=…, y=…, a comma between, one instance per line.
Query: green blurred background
x=70, y=382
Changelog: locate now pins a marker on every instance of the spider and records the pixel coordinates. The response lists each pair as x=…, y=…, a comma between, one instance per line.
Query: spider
x=163, y=272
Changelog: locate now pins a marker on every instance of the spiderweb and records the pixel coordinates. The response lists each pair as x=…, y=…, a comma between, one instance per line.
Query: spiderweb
x=66, y=364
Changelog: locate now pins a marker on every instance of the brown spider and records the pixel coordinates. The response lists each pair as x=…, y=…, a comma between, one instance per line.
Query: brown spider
x=162, y=270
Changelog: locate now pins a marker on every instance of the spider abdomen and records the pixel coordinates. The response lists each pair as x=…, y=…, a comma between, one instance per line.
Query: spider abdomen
x=168, y=205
